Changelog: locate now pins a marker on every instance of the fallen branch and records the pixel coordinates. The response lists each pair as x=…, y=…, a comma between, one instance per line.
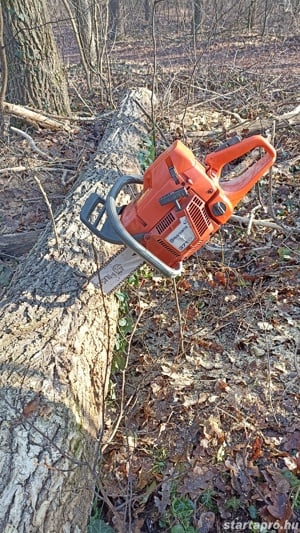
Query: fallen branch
x=32, y=144
x=257, y=222
x=261, y=124
x=49, y=207
x=10, y=170
x=34, y=117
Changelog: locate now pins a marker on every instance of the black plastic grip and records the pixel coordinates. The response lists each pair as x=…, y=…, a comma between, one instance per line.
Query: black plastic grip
x=88, y=209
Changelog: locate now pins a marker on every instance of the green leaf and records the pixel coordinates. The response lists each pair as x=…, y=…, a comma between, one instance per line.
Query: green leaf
x=291, y=478
x=284, y=253
x=207, y=499
x=99, y=526
x=252, y=512
x=233, y=503
x=177, y=529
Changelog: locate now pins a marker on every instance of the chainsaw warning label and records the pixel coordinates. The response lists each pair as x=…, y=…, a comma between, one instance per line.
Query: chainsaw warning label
x=182, y=236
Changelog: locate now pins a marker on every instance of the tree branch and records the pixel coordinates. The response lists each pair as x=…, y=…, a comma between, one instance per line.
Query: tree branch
x=34, y=117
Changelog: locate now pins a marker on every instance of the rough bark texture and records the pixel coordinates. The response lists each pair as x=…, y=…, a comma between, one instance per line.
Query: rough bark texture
x=36, y=76
x=281, y=121
x=85, y=22
x=56, y=338
x=198, y=8
x=116, y=20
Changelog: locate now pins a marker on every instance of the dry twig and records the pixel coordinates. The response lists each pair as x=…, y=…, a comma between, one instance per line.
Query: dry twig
x=32, y=144
x=44, y=194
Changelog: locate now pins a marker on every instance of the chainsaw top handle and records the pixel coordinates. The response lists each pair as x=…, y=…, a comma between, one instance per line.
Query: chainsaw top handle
x=236, y=188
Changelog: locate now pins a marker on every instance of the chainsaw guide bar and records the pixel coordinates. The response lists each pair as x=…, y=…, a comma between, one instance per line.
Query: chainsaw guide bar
x=116, y=270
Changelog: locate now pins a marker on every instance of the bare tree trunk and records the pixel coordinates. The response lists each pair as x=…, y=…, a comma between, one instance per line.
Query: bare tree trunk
x=197, y=18
x=4, y=73
x=265, y=18
x=116, y=19
x=36, y=76
x=85, y=19
x=147, y=10
x=252, y=14
x=56, y=338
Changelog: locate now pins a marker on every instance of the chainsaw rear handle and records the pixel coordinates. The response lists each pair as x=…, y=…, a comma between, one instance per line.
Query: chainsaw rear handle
x=236, y=188
x=126, y=237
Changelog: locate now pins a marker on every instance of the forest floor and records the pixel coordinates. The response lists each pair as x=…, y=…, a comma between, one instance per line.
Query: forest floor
x=202, y=425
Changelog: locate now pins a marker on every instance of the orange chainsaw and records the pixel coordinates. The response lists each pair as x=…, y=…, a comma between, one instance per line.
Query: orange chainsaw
x=182, y=204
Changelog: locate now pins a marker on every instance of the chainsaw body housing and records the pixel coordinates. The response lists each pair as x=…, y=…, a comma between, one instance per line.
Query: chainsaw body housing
x=183, y=202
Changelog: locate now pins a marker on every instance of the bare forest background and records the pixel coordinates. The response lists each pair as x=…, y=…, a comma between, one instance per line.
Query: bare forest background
x=199, y=432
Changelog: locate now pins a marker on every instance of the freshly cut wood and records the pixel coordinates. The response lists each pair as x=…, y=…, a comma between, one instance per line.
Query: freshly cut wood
x=56, y=338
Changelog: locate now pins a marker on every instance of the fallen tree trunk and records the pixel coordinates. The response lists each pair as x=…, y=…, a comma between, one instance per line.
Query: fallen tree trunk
x=57, y=336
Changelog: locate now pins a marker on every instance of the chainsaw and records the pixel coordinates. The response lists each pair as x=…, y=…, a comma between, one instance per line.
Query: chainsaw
x=181, y=205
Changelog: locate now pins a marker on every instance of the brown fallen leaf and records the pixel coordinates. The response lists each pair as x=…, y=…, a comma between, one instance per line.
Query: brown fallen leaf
x=31, y=407
x=256, y=449
x=240, y=474
x=280, y=508
x=165, y=492
x=211, y=428
x=206, y=522
x=200, y=478
x=292, y=442
x=276, y=480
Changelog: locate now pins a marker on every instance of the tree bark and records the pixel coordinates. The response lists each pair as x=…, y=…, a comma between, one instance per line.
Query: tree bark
x=147, y=10
x=197, y=17
x=116, y=21
x=56, y=338
x=85, y=21
x=252, y=14
x=35, y=72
